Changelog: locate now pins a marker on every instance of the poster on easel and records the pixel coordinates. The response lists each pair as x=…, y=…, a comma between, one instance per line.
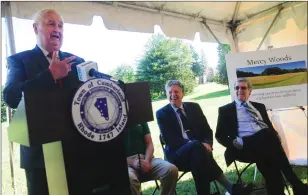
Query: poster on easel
x=278, y=76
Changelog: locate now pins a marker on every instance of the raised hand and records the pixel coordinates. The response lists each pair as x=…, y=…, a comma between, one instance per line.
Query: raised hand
x=60, y=69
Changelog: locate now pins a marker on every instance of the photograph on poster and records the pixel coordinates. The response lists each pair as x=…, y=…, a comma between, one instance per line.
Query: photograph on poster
x=277, y=75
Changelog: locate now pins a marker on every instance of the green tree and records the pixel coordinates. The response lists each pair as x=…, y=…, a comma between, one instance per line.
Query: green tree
x=222, y=76
x=197, y=67
x=199, y=63
x=125, y=73
x=165, y=59
x=3, y=108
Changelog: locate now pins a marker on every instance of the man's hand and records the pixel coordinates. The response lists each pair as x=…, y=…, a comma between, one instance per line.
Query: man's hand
x=208, y=147
x=145, y=166
x=60, y=69
x=236, y=144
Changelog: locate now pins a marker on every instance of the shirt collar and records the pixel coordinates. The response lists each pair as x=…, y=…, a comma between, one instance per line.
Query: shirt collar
x=239, y=103
x=175, y=108
x=46, y=52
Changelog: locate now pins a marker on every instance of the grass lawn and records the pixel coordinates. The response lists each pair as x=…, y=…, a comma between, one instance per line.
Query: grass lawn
x=209, y=96
x=261, y=82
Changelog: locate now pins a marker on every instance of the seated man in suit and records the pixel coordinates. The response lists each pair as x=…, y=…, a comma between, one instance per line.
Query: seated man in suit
x=141, y=164
x=189, y=141
x=47, y=67
x=245, y=129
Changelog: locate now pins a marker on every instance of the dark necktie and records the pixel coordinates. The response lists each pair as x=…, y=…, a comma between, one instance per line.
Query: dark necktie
x=60, y=81
x=185, y=123
x=183, y=119
x=255, y=116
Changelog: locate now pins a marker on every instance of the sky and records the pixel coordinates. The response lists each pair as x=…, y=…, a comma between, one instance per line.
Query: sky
x=260, y=69
x=108, y=48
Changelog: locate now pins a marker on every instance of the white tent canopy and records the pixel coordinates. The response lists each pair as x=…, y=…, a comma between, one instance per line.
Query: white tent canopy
x=241, y=24
x=246, y=26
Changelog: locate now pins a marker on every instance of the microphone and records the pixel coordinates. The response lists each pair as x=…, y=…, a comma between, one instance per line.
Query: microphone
x=88, y=70
x=94, y=73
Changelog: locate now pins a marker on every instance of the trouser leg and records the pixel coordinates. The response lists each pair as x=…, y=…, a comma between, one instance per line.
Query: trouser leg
x=167, y=173
x=194, y=157
x=134, y=181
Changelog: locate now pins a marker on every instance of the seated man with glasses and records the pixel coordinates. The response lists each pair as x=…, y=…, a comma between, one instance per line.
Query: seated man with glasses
x=245, y=129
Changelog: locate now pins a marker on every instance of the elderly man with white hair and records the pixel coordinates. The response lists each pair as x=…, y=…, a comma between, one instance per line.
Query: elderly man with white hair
x=246, y=131
x=44, y=66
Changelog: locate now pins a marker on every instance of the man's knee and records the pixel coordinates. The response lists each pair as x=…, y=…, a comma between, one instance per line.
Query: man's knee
x=168, y=170
x=133, y=179
x=173, y=171
x=197, y=146
x=273, y=138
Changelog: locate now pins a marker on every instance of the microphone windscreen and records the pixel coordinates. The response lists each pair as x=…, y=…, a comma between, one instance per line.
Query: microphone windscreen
x=84, y=68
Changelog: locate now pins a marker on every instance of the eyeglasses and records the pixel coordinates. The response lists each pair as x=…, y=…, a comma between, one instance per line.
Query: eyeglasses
x=242, y=88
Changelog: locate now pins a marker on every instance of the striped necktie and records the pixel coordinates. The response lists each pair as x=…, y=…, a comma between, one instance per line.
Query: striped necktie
x=183, y=119
x=255, y=116
x=186, y=124
x=60, y=81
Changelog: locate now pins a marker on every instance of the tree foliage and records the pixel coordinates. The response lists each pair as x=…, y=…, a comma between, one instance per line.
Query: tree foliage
x=165, y=59
x=199, y=63
x=222, y=76
x=125, y=73
x=4, y=108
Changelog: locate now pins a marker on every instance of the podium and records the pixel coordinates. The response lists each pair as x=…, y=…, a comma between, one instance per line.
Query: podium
x=74, y=164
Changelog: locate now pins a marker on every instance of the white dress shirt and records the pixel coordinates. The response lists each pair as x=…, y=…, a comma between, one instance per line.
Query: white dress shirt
x=46, y=53
x=175, y=109
x=246, y=123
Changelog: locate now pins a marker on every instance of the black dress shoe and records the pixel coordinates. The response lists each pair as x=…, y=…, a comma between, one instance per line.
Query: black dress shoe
x=239, y=189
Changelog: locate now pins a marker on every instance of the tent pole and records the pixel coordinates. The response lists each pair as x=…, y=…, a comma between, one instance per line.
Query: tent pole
x=269, y=28
x=217, y=40
x=269, y=11
x=159, y=10
x=233, y=39
x=235, y=13
x=12, y=49
x=9, y=26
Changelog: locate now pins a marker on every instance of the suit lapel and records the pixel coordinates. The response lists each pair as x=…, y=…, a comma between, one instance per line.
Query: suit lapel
x=61, y=55
x=187, y=110
x=234, y=114
x=257, y=107
x=261, y=111
x=39, y=58
x=70, y=79
x=189, y=113
x=173, y=117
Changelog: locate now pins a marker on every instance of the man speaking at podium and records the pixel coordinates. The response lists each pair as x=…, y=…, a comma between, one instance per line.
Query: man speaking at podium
x=45, y=66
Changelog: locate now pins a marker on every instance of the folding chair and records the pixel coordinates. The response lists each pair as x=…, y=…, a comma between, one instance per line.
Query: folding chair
x=239, y=175
x=163, y=144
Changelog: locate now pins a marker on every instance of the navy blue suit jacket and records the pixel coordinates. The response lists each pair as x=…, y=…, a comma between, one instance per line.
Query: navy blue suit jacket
x=171, y=130
x=227, y=126
x=29, y=69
